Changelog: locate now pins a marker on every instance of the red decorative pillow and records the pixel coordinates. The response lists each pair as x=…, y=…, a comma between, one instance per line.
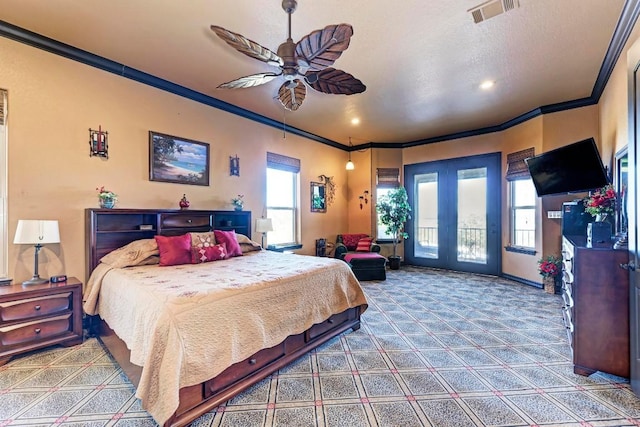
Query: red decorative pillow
x=351, y=240
x=174, y=250
x=230, y=240
x=208, y=253
x=364, y=244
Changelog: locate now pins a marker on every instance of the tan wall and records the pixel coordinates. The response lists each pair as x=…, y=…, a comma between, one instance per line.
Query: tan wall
x=54, y=101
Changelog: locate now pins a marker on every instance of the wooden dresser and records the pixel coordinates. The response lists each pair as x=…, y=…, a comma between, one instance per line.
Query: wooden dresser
x=595, y=291
x=38, y=316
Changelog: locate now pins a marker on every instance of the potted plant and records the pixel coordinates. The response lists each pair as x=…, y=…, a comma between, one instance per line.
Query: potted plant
x=106, y=198
x=394, y=210
x=550, y=268
x=238, y=202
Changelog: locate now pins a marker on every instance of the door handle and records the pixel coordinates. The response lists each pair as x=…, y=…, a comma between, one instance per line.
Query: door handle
x=631, y=266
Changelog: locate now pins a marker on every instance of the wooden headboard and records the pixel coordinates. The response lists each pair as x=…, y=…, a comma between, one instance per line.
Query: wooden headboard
x=109, y=229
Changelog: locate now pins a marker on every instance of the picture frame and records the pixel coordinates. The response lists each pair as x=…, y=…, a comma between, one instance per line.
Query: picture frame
x=318, y=197
x=178, y=160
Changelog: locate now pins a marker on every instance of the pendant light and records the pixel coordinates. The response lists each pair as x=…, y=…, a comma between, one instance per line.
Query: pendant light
x=350, y=166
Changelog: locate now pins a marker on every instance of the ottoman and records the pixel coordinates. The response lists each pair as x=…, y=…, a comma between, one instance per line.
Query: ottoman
x=367, y=265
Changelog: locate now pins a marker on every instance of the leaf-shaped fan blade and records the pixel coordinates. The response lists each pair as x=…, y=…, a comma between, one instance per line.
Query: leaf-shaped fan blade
x=248, y=47
x=335, y=81
x=321, y=48
x=249, y=81
x=291, y=94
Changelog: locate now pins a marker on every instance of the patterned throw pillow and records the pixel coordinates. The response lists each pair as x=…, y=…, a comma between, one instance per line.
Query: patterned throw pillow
x=364, y=244
x=202, y=240
x=230, y=240
x=174, y=250
x=208, y=253
x=351, y=240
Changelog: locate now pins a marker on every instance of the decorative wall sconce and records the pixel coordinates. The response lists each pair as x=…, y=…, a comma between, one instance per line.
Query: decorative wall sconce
x=330, y=192
x=98, y=143
x=364, y=198
x=234, y=166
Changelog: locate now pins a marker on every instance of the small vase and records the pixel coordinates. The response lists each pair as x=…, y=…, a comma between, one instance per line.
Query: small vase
x=237, y=208
x=107, y=203
x=601, y=217
x=549, y=284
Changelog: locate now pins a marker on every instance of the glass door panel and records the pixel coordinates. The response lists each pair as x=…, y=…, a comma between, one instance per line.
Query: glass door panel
x=472, y=215
x=426, y=216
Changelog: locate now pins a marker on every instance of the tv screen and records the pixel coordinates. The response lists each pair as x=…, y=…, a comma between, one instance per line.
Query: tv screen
x=570, y=169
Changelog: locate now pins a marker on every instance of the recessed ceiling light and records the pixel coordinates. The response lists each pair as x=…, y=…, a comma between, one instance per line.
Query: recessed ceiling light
x=355, y=121
x=487, y=84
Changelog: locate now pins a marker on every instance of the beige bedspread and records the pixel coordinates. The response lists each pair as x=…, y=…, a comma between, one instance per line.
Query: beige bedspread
x=185, y=324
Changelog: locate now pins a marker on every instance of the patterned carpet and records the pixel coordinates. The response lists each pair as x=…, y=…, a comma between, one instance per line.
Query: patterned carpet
x=436, y=348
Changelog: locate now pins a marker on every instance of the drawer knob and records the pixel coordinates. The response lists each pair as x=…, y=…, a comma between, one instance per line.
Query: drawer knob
x=330, y=320
x=189, y=221
x=36, y=308
x=252, y=361
x=37, y=330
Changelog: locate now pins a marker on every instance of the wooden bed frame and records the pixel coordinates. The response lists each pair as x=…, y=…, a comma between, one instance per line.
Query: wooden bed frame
x=109, y=229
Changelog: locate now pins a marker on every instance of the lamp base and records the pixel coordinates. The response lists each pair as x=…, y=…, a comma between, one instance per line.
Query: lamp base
x=35, y=280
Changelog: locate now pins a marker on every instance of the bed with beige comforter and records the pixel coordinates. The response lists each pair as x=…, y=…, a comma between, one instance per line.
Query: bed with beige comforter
x=185, y=324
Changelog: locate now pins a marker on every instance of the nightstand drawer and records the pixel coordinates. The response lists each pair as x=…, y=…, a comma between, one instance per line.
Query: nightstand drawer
x=185, y=221
x=35, y=331
x=34, y=307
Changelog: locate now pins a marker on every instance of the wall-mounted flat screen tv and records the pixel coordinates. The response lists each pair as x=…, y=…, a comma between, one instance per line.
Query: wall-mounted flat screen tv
x=573, y=168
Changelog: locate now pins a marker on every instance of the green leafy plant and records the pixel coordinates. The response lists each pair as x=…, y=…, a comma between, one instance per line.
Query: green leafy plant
x=105, y=194
x=238, y=202
x=394, y=210
x=550, y=266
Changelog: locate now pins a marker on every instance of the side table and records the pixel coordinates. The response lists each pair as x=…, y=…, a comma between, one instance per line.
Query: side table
x=37, y=316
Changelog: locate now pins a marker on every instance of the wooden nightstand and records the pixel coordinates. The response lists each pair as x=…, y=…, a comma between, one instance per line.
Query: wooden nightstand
x=38, y=316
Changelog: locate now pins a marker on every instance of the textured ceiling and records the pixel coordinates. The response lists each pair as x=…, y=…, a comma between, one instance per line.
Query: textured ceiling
x=421, y=60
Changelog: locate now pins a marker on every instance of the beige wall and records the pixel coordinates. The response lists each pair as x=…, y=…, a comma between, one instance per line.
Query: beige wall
x=54, y=101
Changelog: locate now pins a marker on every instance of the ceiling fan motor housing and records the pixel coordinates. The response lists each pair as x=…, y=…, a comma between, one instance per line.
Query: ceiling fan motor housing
x=287, y=51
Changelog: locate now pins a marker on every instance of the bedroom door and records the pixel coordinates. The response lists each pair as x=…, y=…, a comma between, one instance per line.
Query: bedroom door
x=455, y=223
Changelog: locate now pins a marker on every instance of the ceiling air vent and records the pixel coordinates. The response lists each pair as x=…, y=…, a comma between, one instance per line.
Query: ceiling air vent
x=492, y=8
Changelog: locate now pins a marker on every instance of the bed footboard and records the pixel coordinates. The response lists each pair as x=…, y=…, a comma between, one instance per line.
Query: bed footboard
x=201, y=398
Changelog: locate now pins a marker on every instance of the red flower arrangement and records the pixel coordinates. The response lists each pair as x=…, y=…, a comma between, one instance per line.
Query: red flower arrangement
x=550, y=266
x=601, y=202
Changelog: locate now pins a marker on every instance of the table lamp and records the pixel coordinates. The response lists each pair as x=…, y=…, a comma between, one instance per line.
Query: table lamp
x=264, y=225
x=36, y=232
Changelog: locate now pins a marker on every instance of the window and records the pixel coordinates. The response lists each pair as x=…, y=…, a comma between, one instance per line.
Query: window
x=381, y=233
x=523, y=210
x=282, y=199
x=386, y=179
x=4, y=271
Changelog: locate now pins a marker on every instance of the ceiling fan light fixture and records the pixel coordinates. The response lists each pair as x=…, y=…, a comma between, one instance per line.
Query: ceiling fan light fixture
x=308, y=61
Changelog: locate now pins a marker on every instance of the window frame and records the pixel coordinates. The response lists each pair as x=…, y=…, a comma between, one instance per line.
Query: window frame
x=295, y=209
x=513, y=209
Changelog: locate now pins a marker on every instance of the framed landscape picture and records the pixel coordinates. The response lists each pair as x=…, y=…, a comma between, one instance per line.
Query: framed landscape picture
x=178, y=160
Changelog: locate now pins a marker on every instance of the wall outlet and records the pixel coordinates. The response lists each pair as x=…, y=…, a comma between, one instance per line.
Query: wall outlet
x=554, y=214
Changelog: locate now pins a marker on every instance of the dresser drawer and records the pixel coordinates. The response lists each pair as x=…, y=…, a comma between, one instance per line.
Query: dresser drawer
x=23, y=333
x=185, y=221
x=35, y=307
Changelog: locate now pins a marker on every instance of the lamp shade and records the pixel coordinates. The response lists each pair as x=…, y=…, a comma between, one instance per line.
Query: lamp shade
x=350, y=166
x=264, y=225
x=36, y=231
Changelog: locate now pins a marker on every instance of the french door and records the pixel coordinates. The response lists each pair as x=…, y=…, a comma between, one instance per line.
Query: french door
x=455, y=223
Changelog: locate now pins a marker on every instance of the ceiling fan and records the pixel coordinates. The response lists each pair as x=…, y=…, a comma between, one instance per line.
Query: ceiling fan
x=308, y=61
